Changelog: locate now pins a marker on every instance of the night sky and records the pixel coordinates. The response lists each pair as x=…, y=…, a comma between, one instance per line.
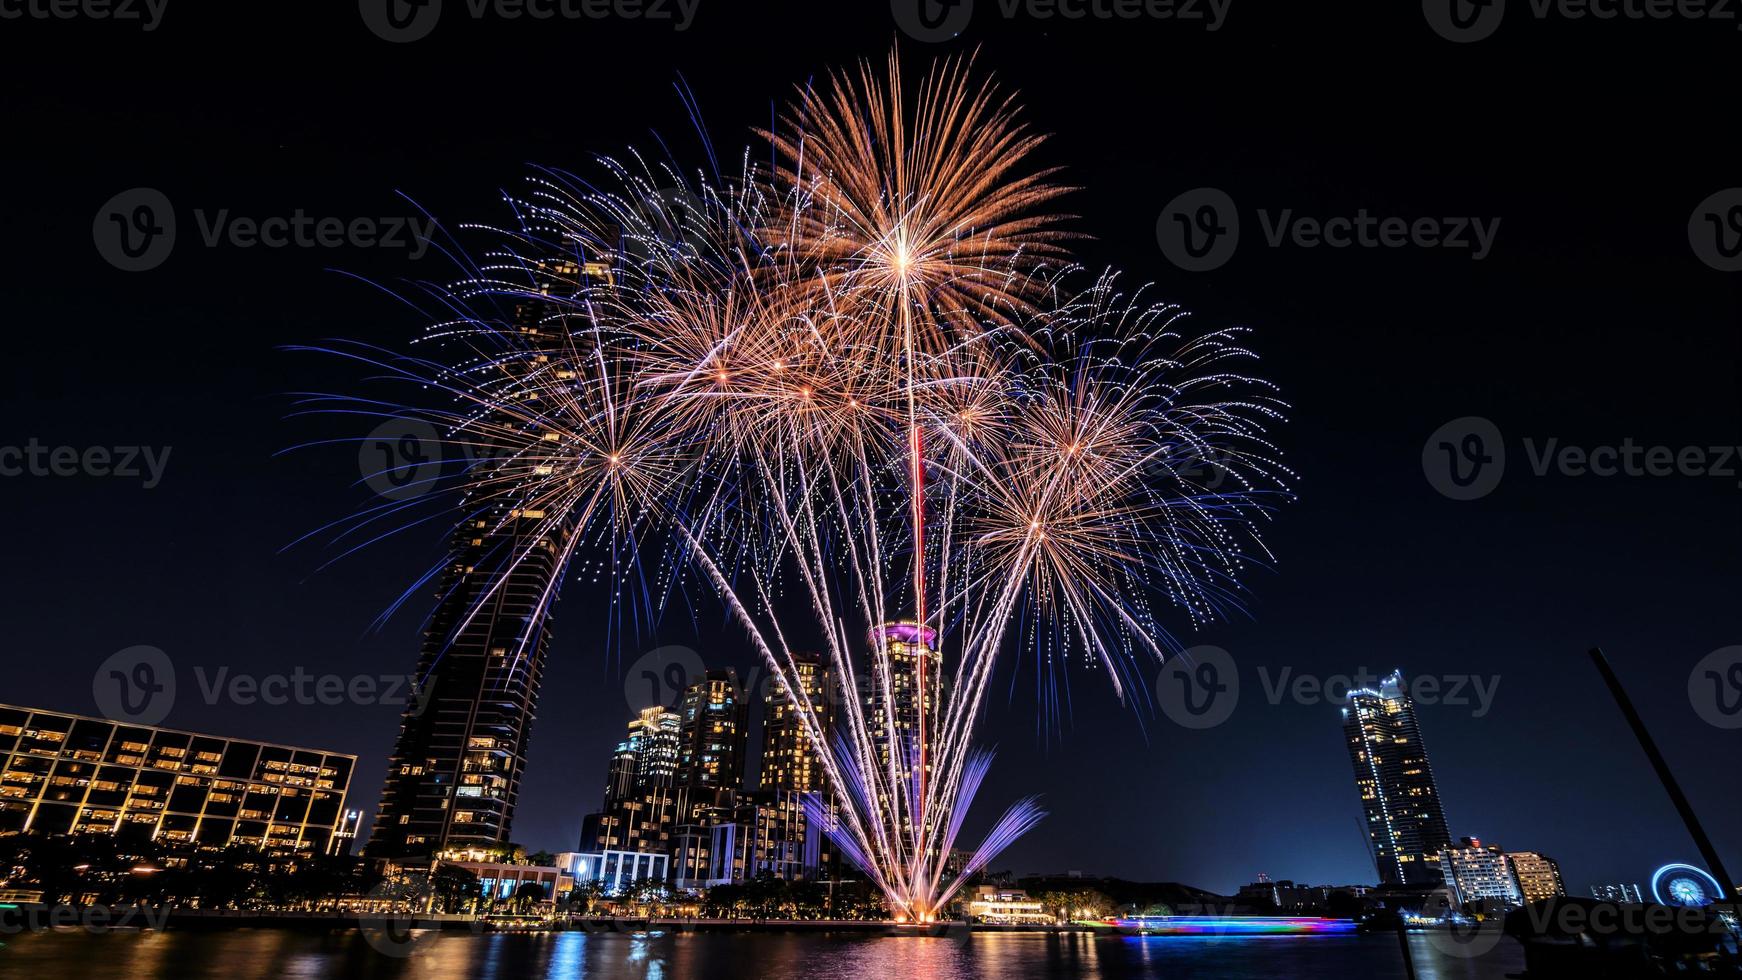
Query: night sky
x=1590, y=321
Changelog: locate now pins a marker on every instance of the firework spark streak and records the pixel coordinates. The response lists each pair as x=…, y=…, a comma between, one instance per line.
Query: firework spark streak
x=854, y=387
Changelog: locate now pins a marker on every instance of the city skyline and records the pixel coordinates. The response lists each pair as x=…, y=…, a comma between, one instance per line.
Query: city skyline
x=1474, y=873
x=1377, y=349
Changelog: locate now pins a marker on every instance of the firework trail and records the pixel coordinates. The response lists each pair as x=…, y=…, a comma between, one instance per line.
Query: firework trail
x=859, y=394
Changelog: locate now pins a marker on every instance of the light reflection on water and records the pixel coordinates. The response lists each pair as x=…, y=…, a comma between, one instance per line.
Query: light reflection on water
x=263, y=953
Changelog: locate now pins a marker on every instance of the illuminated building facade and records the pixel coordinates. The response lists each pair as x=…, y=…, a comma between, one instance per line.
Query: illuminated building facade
x=1405, y=822
x=908, y=646
x=761, y=833
x=505, y=883
x=1006, y=906
x=789, y=761
x=614, y=871
x=63, y=773
x=1479, y=874
x=697, y=815
x=653, y=742
x=714, y=732
x=1617, y=893
x=454, y=776
x=1538, y=877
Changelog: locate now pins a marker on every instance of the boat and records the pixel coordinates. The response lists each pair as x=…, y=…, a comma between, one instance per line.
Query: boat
x=1230, y=925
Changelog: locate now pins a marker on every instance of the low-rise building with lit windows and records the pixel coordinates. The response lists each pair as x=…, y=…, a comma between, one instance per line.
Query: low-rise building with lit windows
x=63, y=773
x=1479, y=874
x=1538, y=877
x=614, y=871
x=1006, y=906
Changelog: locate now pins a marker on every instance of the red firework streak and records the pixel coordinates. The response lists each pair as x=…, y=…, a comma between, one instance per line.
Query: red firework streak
x=919, y=605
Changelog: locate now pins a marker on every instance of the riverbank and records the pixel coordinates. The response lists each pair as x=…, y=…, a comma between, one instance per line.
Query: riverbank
x=35, y=918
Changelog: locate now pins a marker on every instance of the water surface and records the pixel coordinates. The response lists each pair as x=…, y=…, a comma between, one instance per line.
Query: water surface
x=257, y=954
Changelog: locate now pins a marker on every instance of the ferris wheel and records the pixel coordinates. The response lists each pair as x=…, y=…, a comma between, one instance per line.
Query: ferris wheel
x=1684, y=885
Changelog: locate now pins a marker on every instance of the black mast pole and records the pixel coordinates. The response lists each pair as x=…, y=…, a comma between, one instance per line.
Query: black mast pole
x=1725, y=883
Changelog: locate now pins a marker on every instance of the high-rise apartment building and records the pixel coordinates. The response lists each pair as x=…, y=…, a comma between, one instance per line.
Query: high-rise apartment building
x=454, y=775
x=915, y=671
x=1405, y=822
x=654, y=736
x=647, y=757
x=714, y=732
x=789, y=760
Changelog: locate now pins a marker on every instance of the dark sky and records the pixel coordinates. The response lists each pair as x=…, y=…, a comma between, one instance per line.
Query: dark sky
x=1591, y=321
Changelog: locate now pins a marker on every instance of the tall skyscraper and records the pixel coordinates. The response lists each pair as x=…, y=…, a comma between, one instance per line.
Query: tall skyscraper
x=908, y=645
x=1405, y=823
x=1538, y=877
x=654, y=737
x=789, y=761
x=714, y=733
x=454, y=775
x=647, y=757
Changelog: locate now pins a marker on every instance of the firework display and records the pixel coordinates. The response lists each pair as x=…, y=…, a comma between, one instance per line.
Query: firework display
x=854, y=382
